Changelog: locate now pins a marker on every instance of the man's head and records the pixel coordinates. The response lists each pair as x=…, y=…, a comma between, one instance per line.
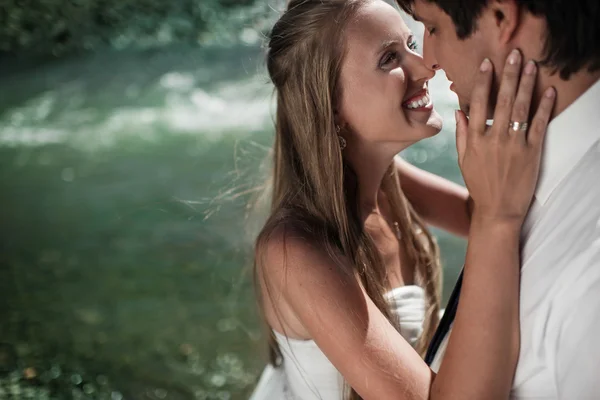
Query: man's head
x=561, y=35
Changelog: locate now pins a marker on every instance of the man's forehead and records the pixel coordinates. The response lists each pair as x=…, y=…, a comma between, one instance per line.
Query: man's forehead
x=425, y=11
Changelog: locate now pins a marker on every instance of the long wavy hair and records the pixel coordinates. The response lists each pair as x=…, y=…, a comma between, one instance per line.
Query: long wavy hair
x=312, y=187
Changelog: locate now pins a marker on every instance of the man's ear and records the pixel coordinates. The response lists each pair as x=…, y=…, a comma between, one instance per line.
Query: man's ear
x=507, y=18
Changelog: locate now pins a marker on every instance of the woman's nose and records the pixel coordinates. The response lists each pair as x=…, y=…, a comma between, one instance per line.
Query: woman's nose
x=428, y=54
x=421, y=70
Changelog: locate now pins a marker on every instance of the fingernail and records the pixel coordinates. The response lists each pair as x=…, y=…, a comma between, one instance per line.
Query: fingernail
x=514, y=57
x=456, y=115
x=530, y=68
x=550, y=93
x=486, y=65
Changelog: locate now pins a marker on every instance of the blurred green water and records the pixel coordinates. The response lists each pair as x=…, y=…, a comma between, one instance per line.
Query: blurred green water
x=124, y=249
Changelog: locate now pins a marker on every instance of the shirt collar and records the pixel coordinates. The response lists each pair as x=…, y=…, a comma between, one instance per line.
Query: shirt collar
x=570, y=135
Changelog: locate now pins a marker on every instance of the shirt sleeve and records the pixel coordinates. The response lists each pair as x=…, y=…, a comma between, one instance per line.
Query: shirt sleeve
x=577, y=363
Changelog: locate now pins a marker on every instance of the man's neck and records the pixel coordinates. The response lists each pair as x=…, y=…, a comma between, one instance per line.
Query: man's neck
x=567, y=91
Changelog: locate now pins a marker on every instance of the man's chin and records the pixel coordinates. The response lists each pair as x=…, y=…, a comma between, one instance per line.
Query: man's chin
x=465, y=107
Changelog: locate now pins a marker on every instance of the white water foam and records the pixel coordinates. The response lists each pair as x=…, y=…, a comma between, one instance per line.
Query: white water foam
x=239, y=107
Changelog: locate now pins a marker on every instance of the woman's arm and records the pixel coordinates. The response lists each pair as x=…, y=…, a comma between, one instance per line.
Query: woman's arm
x=482, y=352
x=335, y=311
x=317, y=291
x=440, y=202
x=500, y=167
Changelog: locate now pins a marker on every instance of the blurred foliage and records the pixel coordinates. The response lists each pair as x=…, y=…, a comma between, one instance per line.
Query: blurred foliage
x=57, y=27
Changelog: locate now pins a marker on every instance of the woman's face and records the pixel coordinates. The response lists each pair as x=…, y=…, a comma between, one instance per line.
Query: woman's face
x=384, y=81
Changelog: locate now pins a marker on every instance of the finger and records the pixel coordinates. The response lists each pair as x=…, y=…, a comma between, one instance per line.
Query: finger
x=507, y=92
x=520, y=111
x=480, y=97
x=462, y=132
x=539, y=125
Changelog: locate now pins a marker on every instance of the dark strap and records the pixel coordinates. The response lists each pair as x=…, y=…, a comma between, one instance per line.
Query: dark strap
x=445, y=323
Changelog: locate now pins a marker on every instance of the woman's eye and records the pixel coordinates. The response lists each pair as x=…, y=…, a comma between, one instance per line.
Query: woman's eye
x=431, y=31
x=389, y=58
x=412, y=44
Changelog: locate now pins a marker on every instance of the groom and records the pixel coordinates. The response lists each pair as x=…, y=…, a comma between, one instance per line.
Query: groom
x=560, y=276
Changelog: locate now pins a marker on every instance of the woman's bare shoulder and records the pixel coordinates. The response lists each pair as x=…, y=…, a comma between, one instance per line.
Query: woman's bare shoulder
x=291, y=251
x=295, y=272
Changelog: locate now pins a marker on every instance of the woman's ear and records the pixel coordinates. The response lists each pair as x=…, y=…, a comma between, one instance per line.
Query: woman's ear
x=337, y=118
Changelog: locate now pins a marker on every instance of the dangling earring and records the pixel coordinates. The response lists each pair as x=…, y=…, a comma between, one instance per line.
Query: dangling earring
x=340, y=138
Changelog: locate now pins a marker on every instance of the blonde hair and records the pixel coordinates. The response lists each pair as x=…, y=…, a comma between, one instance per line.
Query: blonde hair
x=313, y=188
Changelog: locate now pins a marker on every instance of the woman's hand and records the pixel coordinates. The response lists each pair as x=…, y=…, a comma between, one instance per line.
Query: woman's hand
x=500, y=164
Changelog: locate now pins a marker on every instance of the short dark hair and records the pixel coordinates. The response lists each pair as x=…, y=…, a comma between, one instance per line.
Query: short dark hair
x=573, y=37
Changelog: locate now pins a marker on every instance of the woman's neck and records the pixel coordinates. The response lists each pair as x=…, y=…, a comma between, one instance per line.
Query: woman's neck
x=370, y=166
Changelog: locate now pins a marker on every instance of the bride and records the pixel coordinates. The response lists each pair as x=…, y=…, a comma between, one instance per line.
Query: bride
x=348, y=274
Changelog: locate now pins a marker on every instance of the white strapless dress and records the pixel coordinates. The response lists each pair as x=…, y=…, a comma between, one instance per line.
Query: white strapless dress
x=307, y=374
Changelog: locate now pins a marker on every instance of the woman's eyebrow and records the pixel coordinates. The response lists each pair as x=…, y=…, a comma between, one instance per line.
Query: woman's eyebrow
x=386, y=44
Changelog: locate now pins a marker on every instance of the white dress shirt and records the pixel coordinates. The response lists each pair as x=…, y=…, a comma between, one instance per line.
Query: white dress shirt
x=560, y=273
